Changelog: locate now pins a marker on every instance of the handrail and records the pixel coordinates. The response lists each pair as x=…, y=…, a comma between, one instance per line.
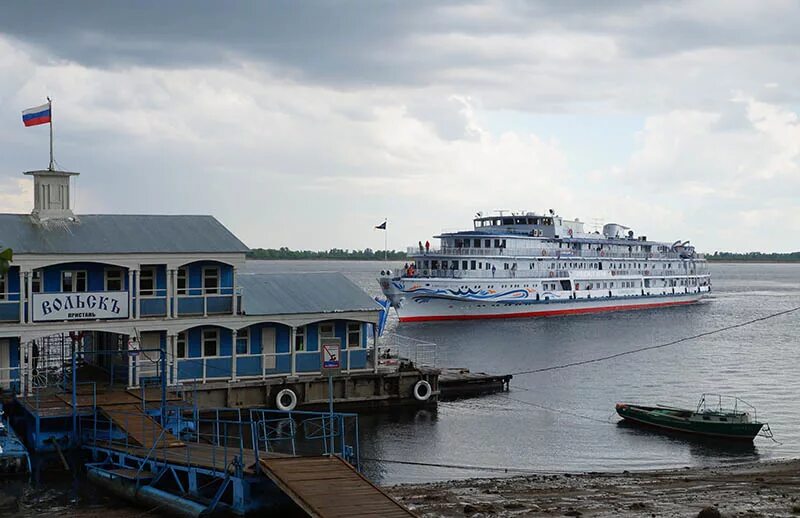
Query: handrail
x=147, y=457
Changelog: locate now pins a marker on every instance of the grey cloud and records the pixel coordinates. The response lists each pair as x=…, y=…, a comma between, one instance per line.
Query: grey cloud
x=347, y=42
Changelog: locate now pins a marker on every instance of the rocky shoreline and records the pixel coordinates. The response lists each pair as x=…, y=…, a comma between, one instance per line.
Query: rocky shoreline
x=749, y=490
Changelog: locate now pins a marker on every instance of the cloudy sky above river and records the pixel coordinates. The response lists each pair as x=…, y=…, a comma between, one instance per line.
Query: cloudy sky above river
x=305, y=124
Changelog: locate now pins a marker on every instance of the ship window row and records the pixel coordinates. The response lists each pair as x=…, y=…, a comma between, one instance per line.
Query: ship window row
x=453, y=265
x=480, y=243
x=515, y=220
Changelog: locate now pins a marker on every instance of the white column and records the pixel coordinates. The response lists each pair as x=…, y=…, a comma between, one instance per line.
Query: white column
x=130, y=293
x=21, y=296
x=234, y=333
x=169, y=293
x=131, y=381
x=138, y=294
x=375, y=348
x=23, y=367
x=234, y=303
x=172, y=353
x=292, y=335
x=29, y=317
x=138, y=367
x=175, y=289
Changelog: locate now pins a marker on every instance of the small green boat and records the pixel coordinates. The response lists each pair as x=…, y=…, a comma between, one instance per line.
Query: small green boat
x=710, y=419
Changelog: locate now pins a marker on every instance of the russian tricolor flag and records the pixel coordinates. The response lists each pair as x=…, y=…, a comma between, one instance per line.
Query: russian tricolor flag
x=36, y=116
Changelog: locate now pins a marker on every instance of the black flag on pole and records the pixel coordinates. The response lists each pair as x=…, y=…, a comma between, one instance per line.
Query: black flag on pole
x=382, y=226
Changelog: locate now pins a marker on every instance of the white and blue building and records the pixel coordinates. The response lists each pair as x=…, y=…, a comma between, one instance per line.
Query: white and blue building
x=125, y=289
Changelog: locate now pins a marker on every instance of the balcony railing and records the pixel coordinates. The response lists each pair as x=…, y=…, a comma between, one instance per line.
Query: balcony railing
x=9, y=309
x=254, y=366
x=151, y=304
x=9, y=376
x=205, y=304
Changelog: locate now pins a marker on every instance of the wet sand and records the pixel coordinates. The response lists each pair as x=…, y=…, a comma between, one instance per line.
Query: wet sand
x=752, y=490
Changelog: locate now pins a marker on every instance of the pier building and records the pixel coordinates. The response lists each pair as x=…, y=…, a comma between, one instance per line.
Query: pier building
x=141, y=297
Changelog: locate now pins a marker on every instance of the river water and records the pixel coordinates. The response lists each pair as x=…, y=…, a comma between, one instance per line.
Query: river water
x=563, y=420
x=758, y=363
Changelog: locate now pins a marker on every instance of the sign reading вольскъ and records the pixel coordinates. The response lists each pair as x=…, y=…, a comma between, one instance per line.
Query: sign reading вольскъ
x=80, y=306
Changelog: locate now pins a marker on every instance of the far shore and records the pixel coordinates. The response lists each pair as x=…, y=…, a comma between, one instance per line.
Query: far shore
x=727, y=261
x=768, y=488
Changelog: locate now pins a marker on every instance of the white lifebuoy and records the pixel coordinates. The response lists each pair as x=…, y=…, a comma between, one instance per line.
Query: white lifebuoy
x=292, y=400
x=422, y=390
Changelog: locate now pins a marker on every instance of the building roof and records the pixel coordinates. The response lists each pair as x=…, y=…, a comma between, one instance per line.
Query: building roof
x=294, y=293
x=118, y=234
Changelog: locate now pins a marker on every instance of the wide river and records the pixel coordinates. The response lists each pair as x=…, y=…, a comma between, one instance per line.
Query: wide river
x=560, y=420
x=577, y=431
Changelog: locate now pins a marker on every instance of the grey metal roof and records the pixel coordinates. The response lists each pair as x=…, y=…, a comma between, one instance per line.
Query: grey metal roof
x=297, y=293
x=118, y=234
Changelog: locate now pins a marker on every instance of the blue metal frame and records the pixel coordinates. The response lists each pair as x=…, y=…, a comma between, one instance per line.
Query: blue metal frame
x=226, y=436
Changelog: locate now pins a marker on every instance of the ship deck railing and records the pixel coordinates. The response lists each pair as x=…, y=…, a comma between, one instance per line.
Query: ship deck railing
x=524, y=273
x=545, y=252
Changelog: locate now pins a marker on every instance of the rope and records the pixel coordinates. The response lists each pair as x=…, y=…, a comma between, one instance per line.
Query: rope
x=659, y=346
x=552, y=409
x=459, y=466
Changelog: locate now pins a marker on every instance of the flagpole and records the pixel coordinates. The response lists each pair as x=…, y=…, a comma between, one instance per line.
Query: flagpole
x=50, y=106
x=385, y=238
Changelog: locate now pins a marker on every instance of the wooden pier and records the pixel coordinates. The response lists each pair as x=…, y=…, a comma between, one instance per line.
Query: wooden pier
x=328, y=487
x=457, y=383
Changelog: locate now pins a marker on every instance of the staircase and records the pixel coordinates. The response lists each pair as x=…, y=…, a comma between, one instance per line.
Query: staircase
x=142, y=429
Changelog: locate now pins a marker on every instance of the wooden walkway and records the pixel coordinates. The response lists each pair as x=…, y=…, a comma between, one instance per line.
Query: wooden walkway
x=328, y=487
x=142, y=429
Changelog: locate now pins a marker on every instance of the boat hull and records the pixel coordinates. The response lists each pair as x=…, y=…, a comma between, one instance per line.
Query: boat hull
x=730, y=431
x=425, y=309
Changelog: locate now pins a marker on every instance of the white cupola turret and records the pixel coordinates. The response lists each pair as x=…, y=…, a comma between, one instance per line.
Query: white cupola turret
x=51, y=195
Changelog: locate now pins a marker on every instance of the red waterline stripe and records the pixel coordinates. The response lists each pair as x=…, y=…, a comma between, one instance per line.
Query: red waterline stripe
x=551, y=313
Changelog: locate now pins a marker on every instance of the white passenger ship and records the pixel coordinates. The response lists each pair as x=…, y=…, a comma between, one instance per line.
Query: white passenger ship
x=527, y=265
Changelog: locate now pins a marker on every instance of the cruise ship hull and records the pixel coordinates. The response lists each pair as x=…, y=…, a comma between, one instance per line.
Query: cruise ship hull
x=427, y=307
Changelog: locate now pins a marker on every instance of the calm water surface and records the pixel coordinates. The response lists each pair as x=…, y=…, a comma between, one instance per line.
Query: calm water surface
x=758, y=363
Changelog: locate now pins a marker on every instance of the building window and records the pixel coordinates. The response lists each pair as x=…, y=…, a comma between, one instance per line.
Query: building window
x=210, y=342
x=210, y=280
x=243, y=341
x=147, y=281
x=181, y=349
x=182, y=281
x=73, y=281
x=3, y=286
x=300, y=339
x=353, y=335
x=114, y=279
x=326, y=330
x=36, y=281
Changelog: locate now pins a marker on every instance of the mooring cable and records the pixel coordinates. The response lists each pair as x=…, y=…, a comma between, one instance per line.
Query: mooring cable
x=466, y=467
x=658, y=346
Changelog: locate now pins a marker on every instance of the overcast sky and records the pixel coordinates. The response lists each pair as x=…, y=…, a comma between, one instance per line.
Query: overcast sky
x=306, y=124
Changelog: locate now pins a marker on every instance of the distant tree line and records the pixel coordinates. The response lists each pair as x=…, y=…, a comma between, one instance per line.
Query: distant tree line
x=755, y=257
x=333, y=254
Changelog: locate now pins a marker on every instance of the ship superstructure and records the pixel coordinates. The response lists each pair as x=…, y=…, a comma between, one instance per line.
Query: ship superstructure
x=527, y=264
